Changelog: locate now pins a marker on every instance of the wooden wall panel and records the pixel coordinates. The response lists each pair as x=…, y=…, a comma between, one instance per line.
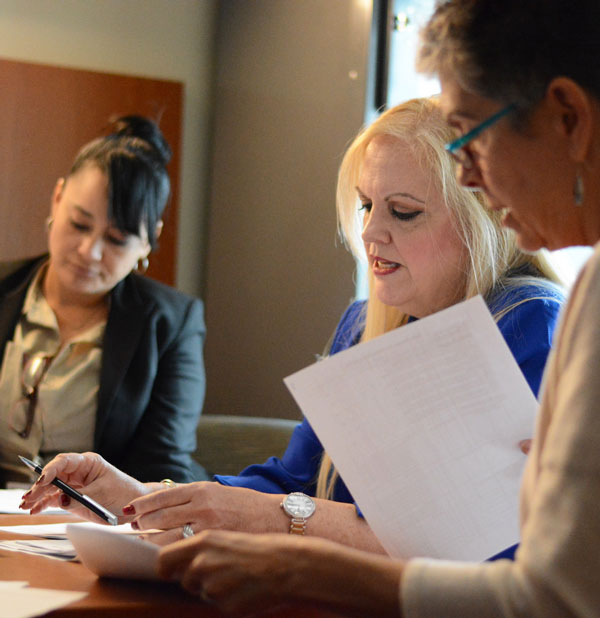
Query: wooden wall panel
x=46, y=114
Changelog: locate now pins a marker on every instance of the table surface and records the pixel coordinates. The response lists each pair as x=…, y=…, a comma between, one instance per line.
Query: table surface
x=109, y=597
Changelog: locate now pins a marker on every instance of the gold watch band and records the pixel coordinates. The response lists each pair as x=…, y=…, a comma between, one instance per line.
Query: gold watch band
x=297, y=526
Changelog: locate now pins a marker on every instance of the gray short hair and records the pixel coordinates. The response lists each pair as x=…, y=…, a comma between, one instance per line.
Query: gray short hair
x=510, y=51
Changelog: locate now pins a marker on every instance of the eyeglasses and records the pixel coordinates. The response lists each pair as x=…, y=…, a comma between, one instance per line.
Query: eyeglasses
x=33, y=373
x=457, y=147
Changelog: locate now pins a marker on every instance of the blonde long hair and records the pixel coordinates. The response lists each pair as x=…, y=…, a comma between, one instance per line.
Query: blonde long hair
x=494, y=257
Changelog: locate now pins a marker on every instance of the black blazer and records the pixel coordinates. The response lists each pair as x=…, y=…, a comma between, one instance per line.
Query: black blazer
x=152, y=381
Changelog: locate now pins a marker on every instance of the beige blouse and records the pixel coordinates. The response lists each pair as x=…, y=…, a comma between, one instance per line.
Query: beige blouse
x=65, y=413
x=557, y=568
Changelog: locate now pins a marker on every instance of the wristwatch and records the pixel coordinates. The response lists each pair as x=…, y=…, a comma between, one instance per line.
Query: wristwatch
x=299, y=507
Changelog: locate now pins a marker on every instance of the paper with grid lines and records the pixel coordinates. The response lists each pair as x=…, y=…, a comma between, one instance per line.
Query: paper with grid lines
x=423, y=424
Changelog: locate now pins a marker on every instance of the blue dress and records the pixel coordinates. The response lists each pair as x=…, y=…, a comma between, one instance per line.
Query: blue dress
x=527, y=329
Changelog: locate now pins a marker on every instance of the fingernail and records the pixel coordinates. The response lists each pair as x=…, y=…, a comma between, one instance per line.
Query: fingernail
x=64, y=500
x=21, y=506
x=129, y=509
x=135, y=525
x=25, y=494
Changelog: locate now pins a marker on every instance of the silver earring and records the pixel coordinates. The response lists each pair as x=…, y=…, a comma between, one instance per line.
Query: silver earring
x=49, y=222
x=578, y=191
x=142, y=265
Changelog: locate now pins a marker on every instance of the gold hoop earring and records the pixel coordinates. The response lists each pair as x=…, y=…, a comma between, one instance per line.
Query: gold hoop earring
x=578, y=189
x=142, y=265
x=49, y=222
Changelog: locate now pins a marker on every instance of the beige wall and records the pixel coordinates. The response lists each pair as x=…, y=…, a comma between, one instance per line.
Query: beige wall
x=290, y=94
x=164, y=39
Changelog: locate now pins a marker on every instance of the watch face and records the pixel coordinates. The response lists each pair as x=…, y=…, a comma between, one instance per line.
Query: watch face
x=299, y=505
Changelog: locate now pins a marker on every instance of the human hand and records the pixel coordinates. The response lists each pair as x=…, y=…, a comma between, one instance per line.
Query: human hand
x=241, y=573
x=246, y=574
x=206, y=505
x=90, y=474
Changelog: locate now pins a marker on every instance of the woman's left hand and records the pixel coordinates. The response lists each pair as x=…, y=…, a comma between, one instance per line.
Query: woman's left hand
x=205, y=505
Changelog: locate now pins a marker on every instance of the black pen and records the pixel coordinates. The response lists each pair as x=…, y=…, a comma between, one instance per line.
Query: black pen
x=105, y=514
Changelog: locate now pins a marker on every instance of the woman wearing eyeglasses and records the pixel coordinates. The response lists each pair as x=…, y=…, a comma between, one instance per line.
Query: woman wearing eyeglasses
x=539, y=165
x=426, y=249
x=94, y=355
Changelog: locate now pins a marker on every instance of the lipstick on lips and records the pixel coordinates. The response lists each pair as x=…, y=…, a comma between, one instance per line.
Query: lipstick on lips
x=384, y=267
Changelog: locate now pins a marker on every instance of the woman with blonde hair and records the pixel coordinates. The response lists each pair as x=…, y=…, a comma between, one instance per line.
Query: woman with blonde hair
x=429, y=244
x=496, y=268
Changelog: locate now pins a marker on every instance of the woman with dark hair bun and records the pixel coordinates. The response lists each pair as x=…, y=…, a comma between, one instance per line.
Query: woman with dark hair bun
x=96, y=356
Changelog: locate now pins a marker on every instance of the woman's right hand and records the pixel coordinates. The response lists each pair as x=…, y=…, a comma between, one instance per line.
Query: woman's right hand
x=248, y=574
x=91, y=475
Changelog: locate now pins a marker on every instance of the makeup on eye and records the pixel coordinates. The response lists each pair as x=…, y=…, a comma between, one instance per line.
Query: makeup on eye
x=406, y=216
x=80, y=227
x=118, y=241
x=402, y=215
x=113, y=235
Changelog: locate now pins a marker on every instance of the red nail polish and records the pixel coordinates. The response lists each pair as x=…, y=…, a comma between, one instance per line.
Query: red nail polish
x=135, y=525
x=41, y=478
x=64, y=500
x=25, y=494
x=129, y=509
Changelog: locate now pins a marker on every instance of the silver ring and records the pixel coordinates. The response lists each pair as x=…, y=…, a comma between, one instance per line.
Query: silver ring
x=187, y=531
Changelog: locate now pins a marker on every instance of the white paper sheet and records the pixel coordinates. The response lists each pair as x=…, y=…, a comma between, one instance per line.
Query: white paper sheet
x=59, y=531
x=56, y=549
x=423, y=424
x=101, y=553
x=114, y=555
x=20, y=601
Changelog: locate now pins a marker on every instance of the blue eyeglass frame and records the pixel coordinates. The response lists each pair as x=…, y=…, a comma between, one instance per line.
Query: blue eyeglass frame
x=459, y=143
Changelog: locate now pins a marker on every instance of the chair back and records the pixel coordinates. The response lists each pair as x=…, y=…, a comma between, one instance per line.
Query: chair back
x=228, y=444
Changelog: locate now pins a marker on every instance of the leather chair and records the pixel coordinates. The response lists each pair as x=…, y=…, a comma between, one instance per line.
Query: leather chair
x=227, y=444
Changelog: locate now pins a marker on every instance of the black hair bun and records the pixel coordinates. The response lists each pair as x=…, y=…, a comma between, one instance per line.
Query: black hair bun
x=145, y=129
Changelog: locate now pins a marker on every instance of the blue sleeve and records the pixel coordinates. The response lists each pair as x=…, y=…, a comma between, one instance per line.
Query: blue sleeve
x=298, y=468
x=528, y=329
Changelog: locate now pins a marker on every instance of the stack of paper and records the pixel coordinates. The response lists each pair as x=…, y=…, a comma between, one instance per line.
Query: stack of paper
x=58, y=549
x=53, y=542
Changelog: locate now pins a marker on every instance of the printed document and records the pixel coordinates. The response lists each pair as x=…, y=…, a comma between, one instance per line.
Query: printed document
x=423, y=424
